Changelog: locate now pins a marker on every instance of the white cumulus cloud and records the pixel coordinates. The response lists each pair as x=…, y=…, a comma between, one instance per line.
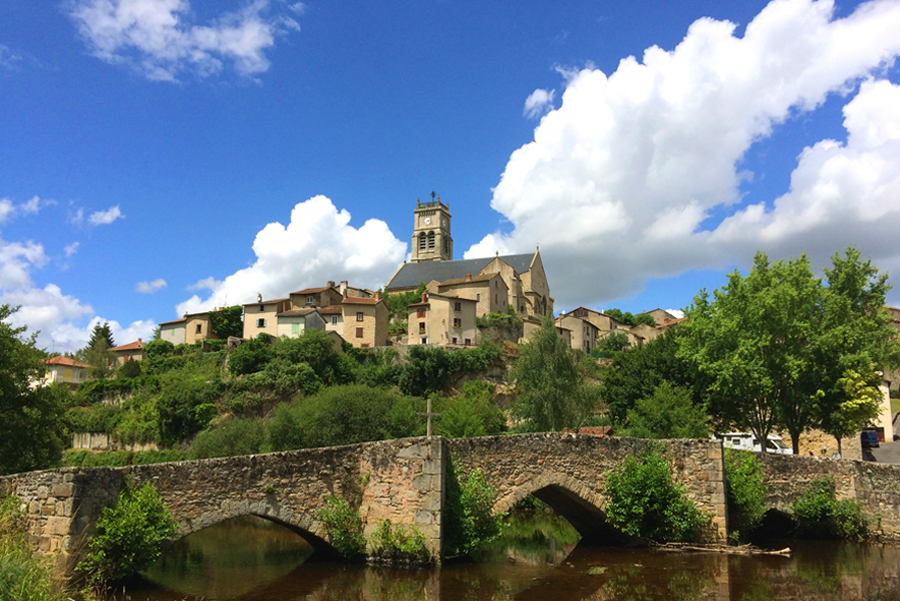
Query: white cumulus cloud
x=71, y=249
x=105, y=217
x=538, y=102
x=618, y=181
x=157, y=38
x=150, y=287
x=6, y=209
x=316, y=246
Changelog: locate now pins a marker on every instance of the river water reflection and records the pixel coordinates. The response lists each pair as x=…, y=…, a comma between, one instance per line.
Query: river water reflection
x=249, y=560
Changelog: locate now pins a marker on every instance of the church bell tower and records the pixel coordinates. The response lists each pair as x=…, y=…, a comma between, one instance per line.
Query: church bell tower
x=431, y=239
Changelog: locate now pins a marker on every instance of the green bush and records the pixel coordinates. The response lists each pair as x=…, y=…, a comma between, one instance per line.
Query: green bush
x=818, y=513
x=745, y=491
x=83, y=458
x=23, y=577
x=249, y=357
x=668, y=413
x=129, y=536
x=470, y=413
x=395, y=543
x=429, y=368
x=231, y=437
x=129, y=369
x=645, y=503
x=340, y=415
x=470, y=522
x=344, y=527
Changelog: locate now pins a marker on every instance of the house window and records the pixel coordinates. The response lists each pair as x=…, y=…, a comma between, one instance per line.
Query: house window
x=333, y=319
x=364, y=345
x=457, y=306
x=199, y=328
x=496, y=298
x=359, y=332
x=430, y=239
x=468, y=341
x=421, y=327
x=262, y=308
x=478, y=297
x=420, y=313
x=457, y=322
x=260, y=323
x=359, y=317
x=424, y=340
x=310, y=299
x=295, y=328
x=453, y=340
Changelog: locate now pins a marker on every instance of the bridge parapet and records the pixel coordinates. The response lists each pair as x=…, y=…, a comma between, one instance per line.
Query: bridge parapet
x=875, y=485
x=569, y=472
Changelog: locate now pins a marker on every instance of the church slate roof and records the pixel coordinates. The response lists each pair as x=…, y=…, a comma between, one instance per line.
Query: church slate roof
x=412, y=274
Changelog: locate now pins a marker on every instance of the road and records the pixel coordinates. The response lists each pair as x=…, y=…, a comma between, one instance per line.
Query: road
x=887, y=452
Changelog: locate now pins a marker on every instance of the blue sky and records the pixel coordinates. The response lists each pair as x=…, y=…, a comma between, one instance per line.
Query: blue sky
x=162, y=156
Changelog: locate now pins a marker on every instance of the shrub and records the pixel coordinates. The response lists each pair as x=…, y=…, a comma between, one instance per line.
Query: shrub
x=471, y=413
x=129, y=369
x=470, y=521
x=231, y=437
x=818, y=513
x=669, y=413
x=129, y=536
x=395, y=543
x=249, y=357
x=645, y=503
x=745, y=491
x=344, y=527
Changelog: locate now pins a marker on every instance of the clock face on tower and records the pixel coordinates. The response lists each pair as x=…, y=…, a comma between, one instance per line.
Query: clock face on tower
x=428, y=221
x=444, y=222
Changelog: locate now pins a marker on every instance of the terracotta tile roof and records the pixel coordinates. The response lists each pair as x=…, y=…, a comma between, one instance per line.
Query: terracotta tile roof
x=67, y=361
x=291, y=312
x=330, y=310
x=358, y=300
x=311, y=290
x=670, y=323
x=166, y=323
x=131, y=346
x=265, y=302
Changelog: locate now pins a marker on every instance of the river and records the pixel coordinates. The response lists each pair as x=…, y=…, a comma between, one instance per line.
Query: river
x=538, y=558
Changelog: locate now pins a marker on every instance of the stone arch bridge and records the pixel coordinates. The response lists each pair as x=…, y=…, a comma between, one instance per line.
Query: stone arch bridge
x=403, y=480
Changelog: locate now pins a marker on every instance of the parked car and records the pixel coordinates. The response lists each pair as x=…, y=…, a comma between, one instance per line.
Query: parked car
x=746, y=441
x=869, y=439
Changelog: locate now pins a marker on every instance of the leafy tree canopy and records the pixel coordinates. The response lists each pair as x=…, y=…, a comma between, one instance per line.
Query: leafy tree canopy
x=669, y=413
x=227, y=321
x=627, y=319
x=32, y=432
x=101, y=334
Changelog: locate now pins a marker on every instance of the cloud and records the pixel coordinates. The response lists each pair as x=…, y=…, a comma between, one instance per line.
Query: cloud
x=150, y=287
x=104, y=217
x=6, y=209
x=77, y=217
x=71, y=249
x=538, y=102
x=155, y=38
x=8, y=58
x=317, y=245
x=626, y=179
x=16, y=260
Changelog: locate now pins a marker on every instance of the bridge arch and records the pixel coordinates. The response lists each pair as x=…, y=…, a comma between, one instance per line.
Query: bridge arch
x=579, y=503
x=302, y=524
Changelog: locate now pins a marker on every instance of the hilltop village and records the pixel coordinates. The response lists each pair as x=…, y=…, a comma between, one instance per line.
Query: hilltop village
x=450, y=298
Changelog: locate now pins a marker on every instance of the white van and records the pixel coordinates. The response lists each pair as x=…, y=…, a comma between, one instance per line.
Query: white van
x=746, y=441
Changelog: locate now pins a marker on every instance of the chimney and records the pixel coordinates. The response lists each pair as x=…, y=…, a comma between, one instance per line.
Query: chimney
x=424, y=297
x=139, y=340
x=378, y=295
x=468, y=277
x=344, y=288
x=330, y=284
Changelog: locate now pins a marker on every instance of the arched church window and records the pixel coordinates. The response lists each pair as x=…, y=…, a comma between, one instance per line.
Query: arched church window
x=430, y=239
x=422, y=241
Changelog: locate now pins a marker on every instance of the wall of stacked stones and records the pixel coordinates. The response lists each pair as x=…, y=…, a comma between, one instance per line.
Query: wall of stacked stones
x=518, y=465
x=875, y=485
x=400, y=480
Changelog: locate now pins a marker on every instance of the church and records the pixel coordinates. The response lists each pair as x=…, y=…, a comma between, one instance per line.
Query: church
x=495, y=283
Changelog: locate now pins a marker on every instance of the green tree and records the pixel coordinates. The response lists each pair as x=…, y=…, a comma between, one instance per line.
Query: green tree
x=627, y=319
x=551, y=393
x=470, y=413
x=97, y=353
x=746, y=492
x=227, y=321
x=856, y=343
x=32, y=431
x=668, y=413
x=101, y=334
x=755, y=341
x=610, y=345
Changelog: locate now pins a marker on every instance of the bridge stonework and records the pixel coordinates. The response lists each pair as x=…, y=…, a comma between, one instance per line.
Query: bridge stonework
x=569, y=473
x=401, y=480
x=875, y=485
